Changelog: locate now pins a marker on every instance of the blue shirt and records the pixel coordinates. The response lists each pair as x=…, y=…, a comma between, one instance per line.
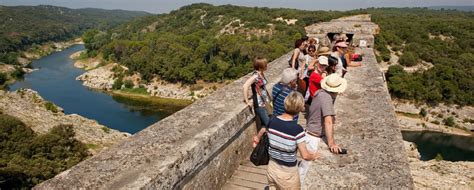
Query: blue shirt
x=279, y=93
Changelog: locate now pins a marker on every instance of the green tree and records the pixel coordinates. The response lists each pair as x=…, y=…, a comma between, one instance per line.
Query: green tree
x=408, y=59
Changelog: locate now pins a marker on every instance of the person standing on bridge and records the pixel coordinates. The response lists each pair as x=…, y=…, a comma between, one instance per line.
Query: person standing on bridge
x=286, y=137
x=280, y=91
x=258, y=83
x=339, y=51
x=298, y=56
x=321, y=115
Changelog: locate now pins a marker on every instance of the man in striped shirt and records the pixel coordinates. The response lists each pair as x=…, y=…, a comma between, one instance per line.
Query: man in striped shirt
x=281, y=90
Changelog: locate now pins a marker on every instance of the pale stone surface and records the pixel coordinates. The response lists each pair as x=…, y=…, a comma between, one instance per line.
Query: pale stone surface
x=28, y=106
x=439, y=174
x=101, y=78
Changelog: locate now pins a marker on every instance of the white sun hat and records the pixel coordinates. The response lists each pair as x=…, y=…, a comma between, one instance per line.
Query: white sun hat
x=334, y=83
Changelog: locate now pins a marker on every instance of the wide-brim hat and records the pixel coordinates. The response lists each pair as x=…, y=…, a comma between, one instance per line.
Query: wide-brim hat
x=323, y=60
x=324, y=51
x=334, y=83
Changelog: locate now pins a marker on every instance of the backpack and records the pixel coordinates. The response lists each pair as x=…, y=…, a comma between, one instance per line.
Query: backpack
x=356, y=57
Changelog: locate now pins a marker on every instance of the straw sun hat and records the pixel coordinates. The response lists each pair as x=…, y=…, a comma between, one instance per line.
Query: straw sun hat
x=334, y=83
x=324, y=51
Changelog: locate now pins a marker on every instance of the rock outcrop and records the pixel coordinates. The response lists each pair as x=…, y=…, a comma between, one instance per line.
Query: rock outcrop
x=411, y=119
x=441, y=174
x=101, y=78
x=31, y=109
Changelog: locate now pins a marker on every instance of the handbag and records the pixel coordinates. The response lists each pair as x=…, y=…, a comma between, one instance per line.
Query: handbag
x=260, y=154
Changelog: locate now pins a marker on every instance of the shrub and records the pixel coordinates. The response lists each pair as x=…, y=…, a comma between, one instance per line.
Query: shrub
x=3, y=78
x=439, y=157
x=435, y=122
x=118, y=83
x=467, y=120
x=128, y=83
x=28, y=159
x=196, y=87
x=408, y=59
x=51, y=107
x=17, y=73
x=423, y=112
x=449, y=121
x=106, y=129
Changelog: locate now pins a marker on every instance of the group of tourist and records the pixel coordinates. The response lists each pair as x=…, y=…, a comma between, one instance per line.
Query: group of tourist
x=310, y=84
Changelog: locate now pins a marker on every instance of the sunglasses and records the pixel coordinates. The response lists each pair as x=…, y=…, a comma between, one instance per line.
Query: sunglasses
x=311, y=50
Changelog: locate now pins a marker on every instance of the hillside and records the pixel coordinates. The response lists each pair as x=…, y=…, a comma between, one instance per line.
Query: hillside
x=24, y=26
x=201, y=41
x=217, y=43
x=442, y=40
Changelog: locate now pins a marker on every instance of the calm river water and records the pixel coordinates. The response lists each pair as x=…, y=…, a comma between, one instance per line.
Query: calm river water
x=451, y=147
x=56, y=81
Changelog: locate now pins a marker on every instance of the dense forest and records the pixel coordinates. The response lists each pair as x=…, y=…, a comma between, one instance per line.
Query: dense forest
x=23, y=26
x=27, y=159
x=215, y=43
x=201, y=41
x=444, y=38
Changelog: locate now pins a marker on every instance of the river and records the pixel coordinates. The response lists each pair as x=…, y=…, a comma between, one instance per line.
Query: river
x=56, y=81
x=450, y=147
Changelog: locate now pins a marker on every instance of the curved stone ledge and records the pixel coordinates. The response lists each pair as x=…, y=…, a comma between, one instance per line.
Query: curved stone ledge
x=165, y=154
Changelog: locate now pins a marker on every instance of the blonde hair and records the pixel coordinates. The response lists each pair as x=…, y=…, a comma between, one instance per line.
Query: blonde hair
x=259, y=63
x=294, y=103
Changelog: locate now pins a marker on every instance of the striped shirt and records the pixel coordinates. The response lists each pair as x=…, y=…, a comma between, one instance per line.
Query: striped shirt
x=279, y=93
x=284, y=136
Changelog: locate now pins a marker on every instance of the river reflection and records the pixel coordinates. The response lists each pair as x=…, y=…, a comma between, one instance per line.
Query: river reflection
x=451, y=147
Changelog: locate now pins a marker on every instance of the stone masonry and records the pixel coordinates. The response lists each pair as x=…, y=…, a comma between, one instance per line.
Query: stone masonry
x=360, y=25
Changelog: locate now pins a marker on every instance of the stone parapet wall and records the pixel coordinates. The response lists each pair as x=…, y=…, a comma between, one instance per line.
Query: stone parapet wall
x=198, y=146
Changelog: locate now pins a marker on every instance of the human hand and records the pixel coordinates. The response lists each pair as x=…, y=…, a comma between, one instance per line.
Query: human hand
x=255, y=141
x=316, y=155
x=335, y=148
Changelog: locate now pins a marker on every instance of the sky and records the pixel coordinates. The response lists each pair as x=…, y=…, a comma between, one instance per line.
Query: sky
x=165, y=6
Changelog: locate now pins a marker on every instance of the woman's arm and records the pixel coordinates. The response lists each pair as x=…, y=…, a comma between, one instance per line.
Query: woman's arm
x=294, y=57
x=256, y=138
x=305, y=154
x=246, y=87
x=349, y=61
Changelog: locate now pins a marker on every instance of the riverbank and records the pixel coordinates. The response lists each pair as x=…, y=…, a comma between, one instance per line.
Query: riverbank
x=41, y=116
x=449, y=119
x=13, y=72
x=166, y=102
x=113, y=76
x=438, y=174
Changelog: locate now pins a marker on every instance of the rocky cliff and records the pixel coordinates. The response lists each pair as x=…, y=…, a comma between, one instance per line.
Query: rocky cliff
x=41, y=116
x=441, y=174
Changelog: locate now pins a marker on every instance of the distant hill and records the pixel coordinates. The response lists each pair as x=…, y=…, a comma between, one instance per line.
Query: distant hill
x=22, y=26
x=202, y=41
x=459, y=8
